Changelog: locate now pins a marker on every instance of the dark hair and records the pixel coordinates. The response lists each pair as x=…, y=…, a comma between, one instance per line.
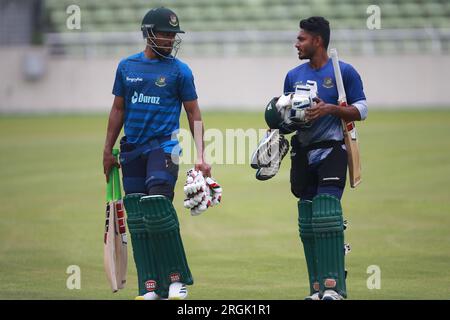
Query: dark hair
x=318, y=26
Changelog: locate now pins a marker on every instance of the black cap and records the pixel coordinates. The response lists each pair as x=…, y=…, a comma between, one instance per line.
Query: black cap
x=162, y=20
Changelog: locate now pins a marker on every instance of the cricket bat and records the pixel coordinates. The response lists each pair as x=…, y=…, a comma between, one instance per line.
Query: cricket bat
x=115, y=238
x=120, y=234
x=349, y=128
x=109, y=252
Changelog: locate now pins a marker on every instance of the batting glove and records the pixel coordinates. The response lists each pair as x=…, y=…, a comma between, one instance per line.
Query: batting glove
x=201, y=193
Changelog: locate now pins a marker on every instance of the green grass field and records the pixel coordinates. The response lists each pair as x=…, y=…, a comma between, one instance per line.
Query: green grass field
x=52, y=193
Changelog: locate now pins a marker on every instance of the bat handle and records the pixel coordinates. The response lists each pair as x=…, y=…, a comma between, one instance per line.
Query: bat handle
x=117, y=193
x=109, y=188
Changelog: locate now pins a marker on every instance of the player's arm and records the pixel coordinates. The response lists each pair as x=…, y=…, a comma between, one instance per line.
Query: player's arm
x=348, y=113
x=197, y=129
x=115, y=124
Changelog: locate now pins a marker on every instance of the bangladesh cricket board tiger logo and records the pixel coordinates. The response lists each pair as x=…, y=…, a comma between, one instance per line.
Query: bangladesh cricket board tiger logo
x=328, y=83
x=173, y=21
x=161, y=81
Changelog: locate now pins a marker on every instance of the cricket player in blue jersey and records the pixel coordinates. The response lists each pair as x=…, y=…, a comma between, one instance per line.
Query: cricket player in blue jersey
x=150, y=87
x=318, y=154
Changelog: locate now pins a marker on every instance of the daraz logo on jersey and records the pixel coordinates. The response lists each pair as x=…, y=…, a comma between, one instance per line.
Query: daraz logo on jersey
x=141, y=98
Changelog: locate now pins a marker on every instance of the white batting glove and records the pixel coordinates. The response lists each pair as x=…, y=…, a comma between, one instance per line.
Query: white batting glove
x=215, y=191
x=200, y=193
x=284, y=106
x=284, y=101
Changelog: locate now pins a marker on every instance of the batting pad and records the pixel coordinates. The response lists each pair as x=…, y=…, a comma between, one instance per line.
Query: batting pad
x=161, y=222
x=328, y=231
x=143, y=249
x=307, y=238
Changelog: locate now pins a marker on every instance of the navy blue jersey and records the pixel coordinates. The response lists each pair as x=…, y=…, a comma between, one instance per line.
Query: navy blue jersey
x=328, y=127
x=153, y=91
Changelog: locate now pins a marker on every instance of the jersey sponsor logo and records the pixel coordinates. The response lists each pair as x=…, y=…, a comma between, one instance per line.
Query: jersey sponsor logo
x=328, y=83
x=137, y=79
x=141, y=98
x=161, y=81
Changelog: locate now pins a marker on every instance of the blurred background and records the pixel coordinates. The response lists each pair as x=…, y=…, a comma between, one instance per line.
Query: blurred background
x=61, y=55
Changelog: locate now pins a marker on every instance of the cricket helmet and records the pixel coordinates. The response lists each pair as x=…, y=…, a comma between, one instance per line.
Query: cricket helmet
x=161, y=20
x=274, y=120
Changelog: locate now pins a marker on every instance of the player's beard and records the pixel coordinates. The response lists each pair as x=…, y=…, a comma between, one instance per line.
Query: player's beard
x=161, y=52
x=305, y=53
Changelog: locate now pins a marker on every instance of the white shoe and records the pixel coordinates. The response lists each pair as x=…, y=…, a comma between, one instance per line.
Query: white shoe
x=177, y=291
x=148, y=296
x=332, y=295
x=314, y=296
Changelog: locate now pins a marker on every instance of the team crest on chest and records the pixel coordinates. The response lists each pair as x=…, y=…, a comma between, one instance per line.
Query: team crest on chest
x=161, y=81
x=328, y=83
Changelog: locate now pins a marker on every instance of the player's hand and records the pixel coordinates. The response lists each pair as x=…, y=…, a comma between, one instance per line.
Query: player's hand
x=318, y=110
x=108, y=163
x=204, y=167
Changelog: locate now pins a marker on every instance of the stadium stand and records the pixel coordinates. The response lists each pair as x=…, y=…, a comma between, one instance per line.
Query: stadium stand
x=198, y=15
x=242, y=19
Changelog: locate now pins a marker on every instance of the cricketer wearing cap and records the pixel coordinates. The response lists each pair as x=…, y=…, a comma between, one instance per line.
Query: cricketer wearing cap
x=150, y=87
x=319, y=158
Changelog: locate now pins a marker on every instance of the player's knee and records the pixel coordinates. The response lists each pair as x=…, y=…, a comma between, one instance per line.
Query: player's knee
x=133, y=185
x=163, y=189
x=335, y=191
x=296, y=191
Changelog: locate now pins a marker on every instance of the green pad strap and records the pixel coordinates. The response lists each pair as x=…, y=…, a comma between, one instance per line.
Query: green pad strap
x=160, y=219
x=143, y=251
x=307, y=238
x=328, y=230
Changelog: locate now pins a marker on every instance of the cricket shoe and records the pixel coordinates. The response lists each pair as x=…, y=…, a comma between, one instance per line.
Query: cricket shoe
x=314, y=296
x=177, y=291
x=331, y=295
x=149, y=296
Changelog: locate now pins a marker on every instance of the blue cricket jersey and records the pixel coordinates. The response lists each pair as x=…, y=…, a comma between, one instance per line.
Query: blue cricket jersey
x=328, y=127
x=153, y=91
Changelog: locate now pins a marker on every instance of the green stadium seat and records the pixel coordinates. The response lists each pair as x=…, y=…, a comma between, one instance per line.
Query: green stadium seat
x=210, y=13
x=344, y=11
x=232, y=13
x=410, y=10
x=433, y=9
x=389, y=10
